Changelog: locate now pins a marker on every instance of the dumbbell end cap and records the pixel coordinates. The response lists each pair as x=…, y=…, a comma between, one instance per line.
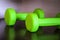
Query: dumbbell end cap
x=32, y=22
x=10, y=16
x=40, y=12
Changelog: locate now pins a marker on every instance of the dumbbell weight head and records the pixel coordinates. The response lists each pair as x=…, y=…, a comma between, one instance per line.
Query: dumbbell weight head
x=11, y=15
x=58, y=16
x=33, y=22
x=39, y=12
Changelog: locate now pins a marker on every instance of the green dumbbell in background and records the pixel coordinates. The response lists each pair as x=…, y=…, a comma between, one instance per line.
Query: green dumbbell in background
x=33, y=22
x=58, y=16
x=11, y=16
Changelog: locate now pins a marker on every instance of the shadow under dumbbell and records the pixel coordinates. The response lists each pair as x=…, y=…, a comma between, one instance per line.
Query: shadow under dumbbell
x=20, y=30
x=19, y=24
x=22, y=34
x=57, y=31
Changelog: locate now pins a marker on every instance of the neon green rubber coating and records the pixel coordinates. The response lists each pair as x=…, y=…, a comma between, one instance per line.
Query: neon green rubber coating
x=33, y=22
x=21, y=16
x=58, y=16
x=49, y=22
x=10, y=16
x=39, y=12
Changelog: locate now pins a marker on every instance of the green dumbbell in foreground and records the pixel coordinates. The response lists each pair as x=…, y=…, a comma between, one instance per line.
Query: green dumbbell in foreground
x=33, y=22
x=11, y=16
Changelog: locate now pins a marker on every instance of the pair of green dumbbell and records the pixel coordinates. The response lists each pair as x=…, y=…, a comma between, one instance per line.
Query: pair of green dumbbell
x=32, y=20
x=11, y=15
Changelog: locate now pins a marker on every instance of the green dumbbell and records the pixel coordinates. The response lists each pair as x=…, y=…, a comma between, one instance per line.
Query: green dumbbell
x=58, y=16
x=11, y=16
x=33, y=22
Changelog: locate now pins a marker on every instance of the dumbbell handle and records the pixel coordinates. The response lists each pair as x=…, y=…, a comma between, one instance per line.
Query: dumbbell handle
x=21, y=16
x=49, y=21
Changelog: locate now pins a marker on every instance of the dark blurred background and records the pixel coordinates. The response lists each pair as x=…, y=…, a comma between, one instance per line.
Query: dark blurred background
x=51, y=7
